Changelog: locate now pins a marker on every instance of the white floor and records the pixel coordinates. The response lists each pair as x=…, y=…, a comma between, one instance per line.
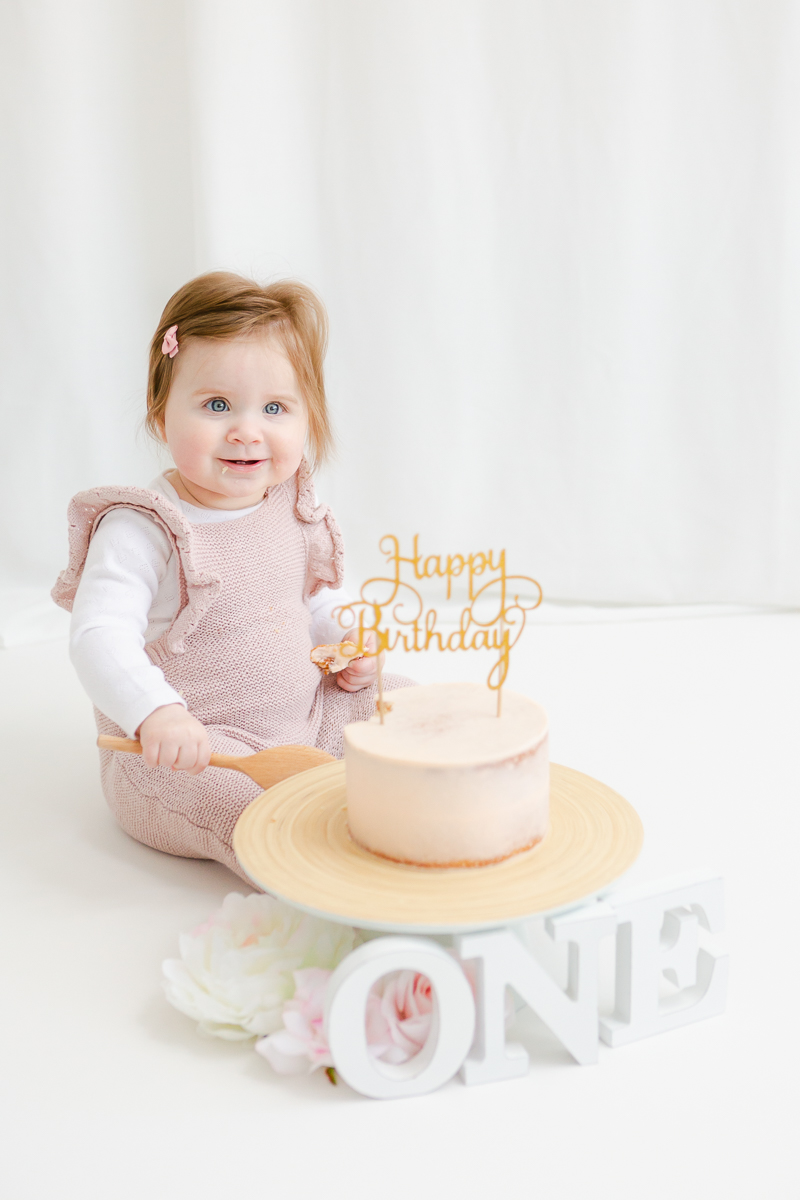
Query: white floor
x=109, y=1093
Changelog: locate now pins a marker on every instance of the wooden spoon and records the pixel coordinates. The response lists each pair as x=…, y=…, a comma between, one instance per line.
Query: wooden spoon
x=265, y=768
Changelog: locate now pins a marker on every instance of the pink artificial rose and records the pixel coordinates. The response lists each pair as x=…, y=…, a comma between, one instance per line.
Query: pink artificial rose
x=300, y=1047
x=399, y=1011
x=399, y=1014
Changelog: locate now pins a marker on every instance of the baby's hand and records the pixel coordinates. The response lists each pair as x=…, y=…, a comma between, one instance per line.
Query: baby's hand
x=362, y=672
x=172, y=737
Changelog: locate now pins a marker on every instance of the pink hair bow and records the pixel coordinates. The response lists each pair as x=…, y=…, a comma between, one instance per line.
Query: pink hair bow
x=170, y=343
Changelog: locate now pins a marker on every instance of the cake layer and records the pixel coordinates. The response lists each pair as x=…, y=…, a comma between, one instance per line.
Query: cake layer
x=445, y=781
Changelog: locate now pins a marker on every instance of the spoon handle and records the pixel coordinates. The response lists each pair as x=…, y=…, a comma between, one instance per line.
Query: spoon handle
x=114, y=743
x=129, y=746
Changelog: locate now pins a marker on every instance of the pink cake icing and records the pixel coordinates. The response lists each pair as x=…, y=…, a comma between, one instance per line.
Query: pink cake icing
x=445, y=782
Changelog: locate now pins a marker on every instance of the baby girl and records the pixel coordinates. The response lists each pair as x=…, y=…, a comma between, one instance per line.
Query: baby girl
x=196, y=601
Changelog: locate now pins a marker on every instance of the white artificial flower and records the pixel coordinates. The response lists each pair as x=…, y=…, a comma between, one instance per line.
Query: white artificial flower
x=235, y=972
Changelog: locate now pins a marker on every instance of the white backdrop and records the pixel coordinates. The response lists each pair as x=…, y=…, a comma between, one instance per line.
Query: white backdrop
x=559, y=242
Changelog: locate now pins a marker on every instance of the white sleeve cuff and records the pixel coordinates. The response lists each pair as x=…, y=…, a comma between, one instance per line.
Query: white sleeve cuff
x=325, y=628
x=144, y=706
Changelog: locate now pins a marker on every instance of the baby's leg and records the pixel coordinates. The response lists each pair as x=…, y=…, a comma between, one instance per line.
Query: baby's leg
x=340, y=708
x=189, y=815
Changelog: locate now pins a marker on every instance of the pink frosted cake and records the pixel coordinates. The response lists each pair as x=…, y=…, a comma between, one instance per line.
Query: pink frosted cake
x=445, y=782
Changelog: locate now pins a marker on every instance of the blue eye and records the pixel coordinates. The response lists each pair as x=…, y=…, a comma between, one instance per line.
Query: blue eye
x=272, y=410
x=217, y=405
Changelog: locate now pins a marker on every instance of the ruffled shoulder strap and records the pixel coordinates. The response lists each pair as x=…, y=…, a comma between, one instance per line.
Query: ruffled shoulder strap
x=84, y=514
x=323, y=537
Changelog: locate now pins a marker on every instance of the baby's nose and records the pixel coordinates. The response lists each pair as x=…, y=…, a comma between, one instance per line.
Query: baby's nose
x=245, y=431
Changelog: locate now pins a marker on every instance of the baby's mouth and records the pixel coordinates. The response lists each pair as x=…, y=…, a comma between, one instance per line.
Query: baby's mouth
x=242, y=464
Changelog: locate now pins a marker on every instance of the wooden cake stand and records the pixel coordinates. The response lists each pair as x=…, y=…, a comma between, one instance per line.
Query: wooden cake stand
x=293, y=842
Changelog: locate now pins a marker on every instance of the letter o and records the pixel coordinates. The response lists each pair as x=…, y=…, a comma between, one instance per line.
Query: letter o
x=452, y=1027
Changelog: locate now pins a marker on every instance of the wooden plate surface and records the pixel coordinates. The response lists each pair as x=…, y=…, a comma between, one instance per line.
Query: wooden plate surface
x=293, y=842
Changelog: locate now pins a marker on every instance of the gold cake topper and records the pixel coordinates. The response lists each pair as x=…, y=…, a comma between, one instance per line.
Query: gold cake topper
x=492, y=619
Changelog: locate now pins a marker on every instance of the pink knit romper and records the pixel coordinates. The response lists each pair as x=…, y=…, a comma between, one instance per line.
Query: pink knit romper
x=238, y=653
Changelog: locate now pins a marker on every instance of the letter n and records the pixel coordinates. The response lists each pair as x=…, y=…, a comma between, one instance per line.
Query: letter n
x=502, y=961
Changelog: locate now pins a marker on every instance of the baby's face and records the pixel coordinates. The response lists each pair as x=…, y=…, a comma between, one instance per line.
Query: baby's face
x=235, y=420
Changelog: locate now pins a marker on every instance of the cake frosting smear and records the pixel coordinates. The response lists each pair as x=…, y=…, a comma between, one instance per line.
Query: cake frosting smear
x=444, y=781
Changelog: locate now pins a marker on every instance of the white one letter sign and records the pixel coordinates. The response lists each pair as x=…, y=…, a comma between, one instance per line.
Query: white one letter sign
x=657, y=935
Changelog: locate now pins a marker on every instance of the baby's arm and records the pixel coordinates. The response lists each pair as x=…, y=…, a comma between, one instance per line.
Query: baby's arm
x=128, y=559
x=325, y=628
x=324, y=625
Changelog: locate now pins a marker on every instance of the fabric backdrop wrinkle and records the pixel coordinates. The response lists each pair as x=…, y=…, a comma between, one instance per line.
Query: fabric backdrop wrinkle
x=559, y=245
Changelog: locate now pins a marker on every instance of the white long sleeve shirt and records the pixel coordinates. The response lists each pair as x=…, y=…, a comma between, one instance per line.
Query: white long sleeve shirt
x=129, y=594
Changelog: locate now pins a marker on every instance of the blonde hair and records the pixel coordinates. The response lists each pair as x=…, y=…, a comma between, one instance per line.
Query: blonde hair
x=223, y=305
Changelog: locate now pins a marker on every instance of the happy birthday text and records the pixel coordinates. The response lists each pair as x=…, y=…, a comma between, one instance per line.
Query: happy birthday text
x=493, y=618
